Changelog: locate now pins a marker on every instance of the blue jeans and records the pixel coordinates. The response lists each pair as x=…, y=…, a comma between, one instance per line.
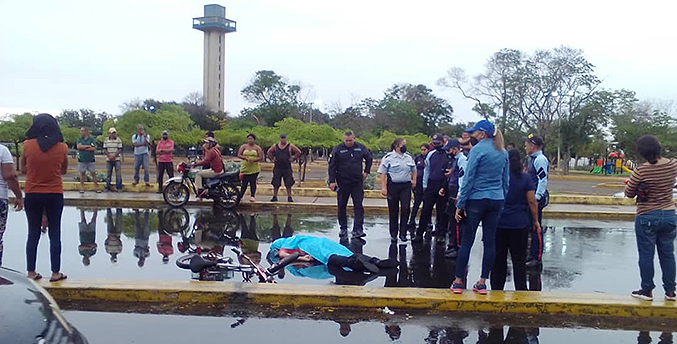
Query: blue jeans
x=656, y=231
x=141, y=160
x=118, y=174
x=486, y=211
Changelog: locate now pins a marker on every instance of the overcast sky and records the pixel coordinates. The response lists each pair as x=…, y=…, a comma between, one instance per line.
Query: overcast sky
x=70, y=54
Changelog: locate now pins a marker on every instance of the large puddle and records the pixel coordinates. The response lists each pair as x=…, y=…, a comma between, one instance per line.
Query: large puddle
x=580, y=255
x=243, y=327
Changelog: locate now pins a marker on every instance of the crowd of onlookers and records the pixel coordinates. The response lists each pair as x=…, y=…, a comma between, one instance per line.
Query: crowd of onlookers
x=468, y=181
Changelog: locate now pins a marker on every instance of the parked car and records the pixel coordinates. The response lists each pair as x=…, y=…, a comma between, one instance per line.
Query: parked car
x=28, y=314
x=674, y=192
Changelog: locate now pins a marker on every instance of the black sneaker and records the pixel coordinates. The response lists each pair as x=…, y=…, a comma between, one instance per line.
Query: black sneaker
x=343, y=233
x=451, y=253
x=403, y=237
x=290, y=199
x=671, y=296
x=643, y=294
x=532, y=263
x=274, y=199
x=360, y=234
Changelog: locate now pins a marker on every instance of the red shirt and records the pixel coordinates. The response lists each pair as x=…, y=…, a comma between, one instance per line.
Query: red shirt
x=165, y=144
x=213, y=158
x=43, y=169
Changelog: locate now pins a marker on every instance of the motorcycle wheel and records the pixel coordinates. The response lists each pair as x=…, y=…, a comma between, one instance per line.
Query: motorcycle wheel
x=176, y=194
x=228, y=196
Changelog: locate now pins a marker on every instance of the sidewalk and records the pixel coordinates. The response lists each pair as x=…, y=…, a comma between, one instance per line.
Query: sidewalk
x=373, y=206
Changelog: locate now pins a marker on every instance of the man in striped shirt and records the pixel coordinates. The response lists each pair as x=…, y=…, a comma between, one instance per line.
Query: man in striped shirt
x=112, y=147
x=656, y=222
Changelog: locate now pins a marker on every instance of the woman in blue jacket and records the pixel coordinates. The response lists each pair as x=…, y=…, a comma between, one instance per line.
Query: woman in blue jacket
x=481, y=199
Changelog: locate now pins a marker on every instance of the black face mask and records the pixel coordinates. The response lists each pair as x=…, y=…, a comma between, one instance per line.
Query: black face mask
x=473, y=140
x=403, y=149
x=438, y=147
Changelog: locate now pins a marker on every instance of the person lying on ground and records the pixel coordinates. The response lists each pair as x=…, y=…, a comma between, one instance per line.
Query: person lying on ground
x=327, y=252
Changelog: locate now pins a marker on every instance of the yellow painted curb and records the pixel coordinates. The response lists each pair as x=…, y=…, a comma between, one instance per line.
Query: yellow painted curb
x=277, y=295
x=267, y=190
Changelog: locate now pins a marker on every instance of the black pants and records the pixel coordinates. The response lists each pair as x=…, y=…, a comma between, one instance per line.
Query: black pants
x=418, y=199
x=249, y=179
x=536, y=249
x=432, y=198
x=52, y=205
x=354, y=190
x=163, y=167
x=454, y=228
x=514, y=240
x=399, y=201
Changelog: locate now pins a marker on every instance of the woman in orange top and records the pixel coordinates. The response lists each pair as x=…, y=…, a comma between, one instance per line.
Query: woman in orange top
x=44, y=160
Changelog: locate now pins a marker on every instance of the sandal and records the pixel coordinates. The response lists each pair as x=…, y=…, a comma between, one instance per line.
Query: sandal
x=61, y=277
x=36, y=277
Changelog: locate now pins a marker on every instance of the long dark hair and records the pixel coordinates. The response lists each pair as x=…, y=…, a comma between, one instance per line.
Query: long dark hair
x=515, y=161
x=396, y=143
x=649, y=148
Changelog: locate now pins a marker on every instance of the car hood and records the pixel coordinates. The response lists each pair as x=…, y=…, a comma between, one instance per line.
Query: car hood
x=26, y=310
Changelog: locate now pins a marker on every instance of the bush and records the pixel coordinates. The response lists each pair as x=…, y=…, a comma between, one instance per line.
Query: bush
x=100, y=177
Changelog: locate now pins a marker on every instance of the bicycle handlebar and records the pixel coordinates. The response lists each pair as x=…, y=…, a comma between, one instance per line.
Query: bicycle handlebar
x=283, y=262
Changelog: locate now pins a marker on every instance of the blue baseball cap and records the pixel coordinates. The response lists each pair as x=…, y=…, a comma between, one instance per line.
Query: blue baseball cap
x=484, y=126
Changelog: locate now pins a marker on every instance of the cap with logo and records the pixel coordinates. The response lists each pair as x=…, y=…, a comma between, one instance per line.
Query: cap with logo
x=112, y=130
x=536, y=140
x=453, y=143
x=485, y=126
x=438, y=138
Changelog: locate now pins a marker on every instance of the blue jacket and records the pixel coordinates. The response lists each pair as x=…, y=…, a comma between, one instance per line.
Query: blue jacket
x=487, y=175
x=318, y=248
x=538, y=170
x=436, y=164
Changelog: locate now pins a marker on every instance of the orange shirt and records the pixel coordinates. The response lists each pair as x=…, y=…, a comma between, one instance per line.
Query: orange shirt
x=43, y=169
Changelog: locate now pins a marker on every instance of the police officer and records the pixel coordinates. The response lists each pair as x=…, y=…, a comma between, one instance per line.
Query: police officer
x=456, y=172
x=434, y=179
x=346, y=177
x=537, y=167
x=398, y=176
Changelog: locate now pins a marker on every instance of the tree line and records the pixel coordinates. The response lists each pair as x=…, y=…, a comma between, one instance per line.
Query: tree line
x=554, y=93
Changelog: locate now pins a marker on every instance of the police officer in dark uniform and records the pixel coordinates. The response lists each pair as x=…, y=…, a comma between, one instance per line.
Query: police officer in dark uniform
x=434, y=179
x=346, y=177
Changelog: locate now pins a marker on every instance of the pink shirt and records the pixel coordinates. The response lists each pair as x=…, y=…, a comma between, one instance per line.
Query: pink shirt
x=165, y=144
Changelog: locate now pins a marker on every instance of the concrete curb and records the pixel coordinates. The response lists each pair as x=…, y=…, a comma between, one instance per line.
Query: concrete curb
x=267, y=190
x=309, y=296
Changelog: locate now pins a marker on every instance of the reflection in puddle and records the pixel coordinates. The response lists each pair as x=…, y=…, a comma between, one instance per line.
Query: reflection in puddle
x=145, y=244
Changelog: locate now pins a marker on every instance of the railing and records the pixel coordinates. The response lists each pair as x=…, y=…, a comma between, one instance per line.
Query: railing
x=215, y=22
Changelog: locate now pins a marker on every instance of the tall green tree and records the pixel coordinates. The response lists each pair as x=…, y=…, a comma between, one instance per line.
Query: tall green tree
x=273, y=97
x=84, y=118
x=14, y=130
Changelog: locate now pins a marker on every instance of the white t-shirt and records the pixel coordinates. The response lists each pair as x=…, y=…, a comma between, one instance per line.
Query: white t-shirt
x=5, y=158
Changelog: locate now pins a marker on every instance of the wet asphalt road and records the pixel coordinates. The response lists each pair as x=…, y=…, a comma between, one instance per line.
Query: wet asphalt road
x=580, y=255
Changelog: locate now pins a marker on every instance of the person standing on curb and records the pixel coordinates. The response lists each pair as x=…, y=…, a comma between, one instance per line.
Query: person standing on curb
x=165, y=159
x=44, y=161
x=537, y=167
x=8, y=180
x=346, y=177
x=456, y=174
x=251, y=154
x=398, y=177
x=434, y=179
x=86, y=147
x=487, y=178
x=656, y=222
x=112, y=147
x=141, y=142
x=519, y=215
x=283, y=154
x=418, y=190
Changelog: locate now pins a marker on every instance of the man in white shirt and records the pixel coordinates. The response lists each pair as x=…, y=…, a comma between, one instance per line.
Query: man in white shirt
x=8, y=180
